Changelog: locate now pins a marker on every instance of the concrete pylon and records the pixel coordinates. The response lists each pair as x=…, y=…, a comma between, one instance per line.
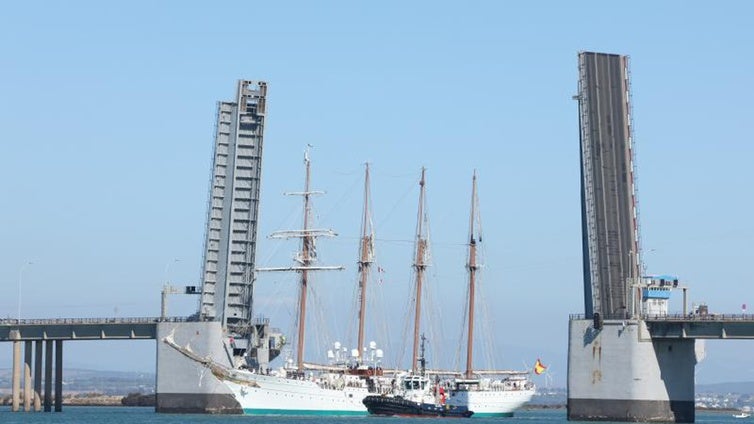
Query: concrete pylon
x=58, y=375
x=48, y=376
x=38, y=375
x=27, y=376
x=16, y=377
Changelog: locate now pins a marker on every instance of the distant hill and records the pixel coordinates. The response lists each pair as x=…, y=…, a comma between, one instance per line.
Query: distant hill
x=744, y=387
x=94, y=381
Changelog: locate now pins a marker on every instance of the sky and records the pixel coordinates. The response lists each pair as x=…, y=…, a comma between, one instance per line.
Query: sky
x=107, y=113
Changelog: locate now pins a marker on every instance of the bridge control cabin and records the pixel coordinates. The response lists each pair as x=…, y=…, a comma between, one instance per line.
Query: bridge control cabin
x=655, y=294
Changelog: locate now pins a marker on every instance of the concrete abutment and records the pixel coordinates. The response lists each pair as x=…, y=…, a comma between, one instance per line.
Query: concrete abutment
x=618, y=373
x=185, y=385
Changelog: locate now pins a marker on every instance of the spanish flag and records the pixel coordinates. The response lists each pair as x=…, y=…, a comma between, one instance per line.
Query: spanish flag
x=539, y=367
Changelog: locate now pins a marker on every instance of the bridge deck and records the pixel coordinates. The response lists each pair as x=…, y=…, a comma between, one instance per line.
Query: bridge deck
x=695, y=326
x=710, y=326
x=143, y=328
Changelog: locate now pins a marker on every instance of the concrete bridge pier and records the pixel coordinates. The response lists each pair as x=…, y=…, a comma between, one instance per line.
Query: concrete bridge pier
x=22, y=376
x=38, y=375
x=27, y=376
x=187, y=386
x=58, y=375
x=48, y=376
x=617, y=372
x=16, y=377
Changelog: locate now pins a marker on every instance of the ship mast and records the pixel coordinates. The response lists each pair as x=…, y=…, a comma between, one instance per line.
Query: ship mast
x=472, y=267
x=420, y=264
x=307, y=248
x=305, y=258
x=366, y=256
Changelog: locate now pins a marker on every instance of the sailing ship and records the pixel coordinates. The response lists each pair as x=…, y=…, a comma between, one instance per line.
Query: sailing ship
x=341, y=387
x=308, y=389
x=509, y=390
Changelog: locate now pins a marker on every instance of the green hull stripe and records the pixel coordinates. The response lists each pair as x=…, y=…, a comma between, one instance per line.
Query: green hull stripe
x=312, y=412
x=491, y=414
x=300, y=412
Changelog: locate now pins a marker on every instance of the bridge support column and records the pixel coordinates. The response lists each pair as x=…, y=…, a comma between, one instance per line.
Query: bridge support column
x=48, y=376
x=618, y=373
x=27, y=376
x=184, y=385
x=38, y=375
x=58, y=375
x=16, y=377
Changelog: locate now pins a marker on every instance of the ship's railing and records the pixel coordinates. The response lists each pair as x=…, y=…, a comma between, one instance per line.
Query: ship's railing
x=93, y=321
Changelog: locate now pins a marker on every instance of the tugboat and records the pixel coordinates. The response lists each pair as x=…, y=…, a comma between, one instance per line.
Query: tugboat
x=415, y=396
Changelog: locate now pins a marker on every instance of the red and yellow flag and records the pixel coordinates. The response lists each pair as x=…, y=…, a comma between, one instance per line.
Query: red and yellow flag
x=539, y=367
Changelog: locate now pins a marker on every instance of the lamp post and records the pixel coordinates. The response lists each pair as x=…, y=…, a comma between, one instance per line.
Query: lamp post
x=166, y=289
x=167, y=268
x=20, y=278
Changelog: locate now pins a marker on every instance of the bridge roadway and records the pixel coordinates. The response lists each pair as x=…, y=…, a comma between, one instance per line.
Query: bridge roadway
x=36, y=334
x=708, y=326
x=609, y=226
x=695, y=326
x=81, y=328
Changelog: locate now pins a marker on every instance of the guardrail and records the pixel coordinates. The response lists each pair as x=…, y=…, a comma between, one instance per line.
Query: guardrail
x=94, y=321
x=700, y=317
x=682, y=317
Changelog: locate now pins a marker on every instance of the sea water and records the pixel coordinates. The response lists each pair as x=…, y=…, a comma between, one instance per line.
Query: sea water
x=136, y=415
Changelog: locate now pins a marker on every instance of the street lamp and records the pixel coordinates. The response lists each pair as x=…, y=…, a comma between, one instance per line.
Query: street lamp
x=167, y=267
x=20, y=277
x=167, y=289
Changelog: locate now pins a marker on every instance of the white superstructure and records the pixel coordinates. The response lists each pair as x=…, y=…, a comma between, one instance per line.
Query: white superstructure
x=325, y=394
x=492, y=397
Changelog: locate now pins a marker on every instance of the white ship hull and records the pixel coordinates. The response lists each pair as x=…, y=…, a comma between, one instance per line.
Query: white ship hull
x=491, y=403
x=273, y=395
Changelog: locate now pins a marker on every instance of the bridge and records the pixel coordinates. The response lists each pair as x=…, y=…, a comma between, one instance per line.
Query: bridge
x=37, y=335
x=628, y=358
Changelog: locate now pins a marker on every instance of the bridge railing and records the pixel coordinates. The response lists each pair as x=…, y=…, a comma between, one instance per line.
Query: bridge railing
x=682, y=317
x=94, y=321
x=700, y=317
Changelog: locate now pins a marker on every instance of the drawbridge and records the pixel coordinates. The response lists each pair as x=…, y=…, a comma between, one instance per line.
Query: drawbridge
x=629, y=359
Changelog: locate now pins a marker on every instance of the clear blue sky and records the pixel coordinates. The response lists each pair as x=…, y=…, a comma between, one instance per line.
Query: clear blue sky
x=106, y=129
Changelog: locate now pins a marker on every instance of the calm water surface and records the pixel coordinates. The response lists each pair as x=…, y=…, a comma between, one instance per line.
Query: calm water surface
x=128, y=415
